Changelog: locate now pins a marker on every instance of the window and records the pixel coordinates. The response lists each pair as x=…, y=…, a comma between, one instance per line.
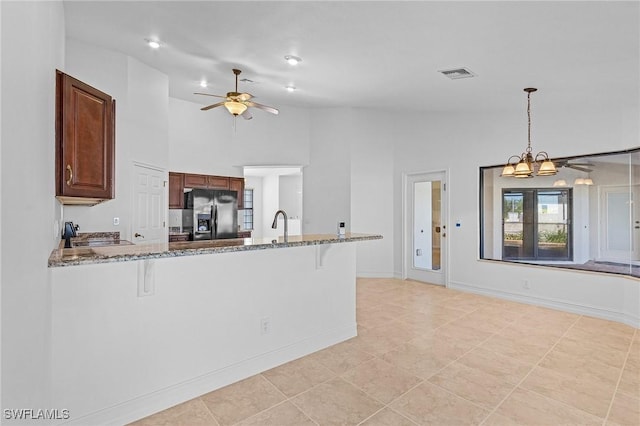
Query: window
x=248, y=209
x=586, y=217
x=536, y=224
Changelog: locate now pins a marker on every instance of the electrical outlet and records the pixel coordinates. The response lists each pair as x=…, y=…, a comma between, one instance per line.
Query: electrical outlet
x=525, y=284
x=116, y=221
x=265, y=325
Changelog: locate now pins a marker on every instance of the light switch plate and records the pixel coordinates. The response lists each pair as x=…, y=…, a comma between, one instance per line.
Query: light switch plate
x=116, y=221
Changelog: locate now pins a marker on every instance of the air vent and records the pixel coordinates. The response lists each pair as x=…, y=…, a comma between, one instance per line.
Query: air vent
x=457, y=73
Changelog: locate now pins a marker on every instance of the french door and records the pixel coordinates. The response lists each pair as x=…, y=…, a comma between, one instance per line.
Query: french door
x=425, y=227
x=536, y=224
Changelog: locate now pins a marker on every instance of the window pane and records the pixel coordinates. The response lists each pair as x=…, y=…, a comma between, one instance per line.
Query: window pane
x=553, y=233
x=248, y=209
x=512, y=217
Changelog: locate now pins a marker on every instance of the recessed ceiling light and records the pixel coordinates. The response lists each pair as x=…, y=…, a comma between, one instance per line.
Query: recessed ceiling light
x=203, y=83
x=154, y=44
x=293, y=60
x=290, y=88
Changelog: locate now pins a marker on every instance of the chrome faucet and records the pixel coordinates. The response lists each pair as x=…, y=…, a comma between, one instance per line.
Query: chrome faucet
x=274, y=225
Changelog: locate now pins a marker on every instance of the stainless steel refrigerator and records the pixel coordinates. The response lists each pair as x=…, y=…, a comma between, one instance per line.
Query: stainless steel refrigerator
x=215, y=213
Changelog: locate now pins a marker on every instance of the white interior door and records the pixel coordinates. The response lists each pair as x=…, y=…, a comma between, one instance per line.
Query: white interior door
x=425, y=228
x=149, y=206
x=620, y=224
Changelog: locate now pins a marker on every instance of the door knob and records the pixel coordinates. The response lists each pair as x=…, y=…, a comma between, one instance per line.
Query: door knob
x=138, y=235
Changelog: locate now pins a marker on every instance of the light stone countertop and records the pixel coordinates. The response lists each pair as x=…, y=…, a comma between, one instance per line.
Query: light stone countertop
x=123, y=253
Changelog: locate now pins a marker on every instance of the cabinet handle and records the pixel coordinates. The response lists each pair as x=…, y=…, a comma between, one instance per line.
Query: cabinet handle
x=70, y=174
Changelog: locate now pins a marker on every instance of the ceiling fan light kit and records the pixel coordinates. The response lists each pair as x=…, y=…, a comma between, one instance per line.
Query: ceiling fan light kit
x=237, y=103
x=583, y=181
x=235, y=108
x=524, y=165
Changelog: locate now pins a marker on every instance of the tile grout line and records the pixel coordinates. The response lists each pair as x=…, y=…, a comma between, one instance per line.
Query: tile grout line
x=624, y=364
x=447, y=365
x=199, y=398
x=287, y=399
x=531, y=371
x=455, y=360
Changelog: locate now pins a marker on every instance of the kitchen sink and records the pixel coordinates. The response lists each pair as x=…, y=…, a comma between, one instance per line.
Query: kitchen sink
x=100, y=243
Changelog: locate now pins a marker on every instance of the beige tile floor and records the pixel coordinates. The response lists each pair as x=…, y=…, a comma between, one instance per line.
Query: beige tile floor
x=427, y=355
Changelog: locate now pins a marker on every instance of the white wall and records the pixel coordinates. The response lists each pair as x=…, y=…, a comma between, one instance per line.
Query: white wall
x=464, y=142
x=371, y=200
x=32, y=45
x=326, y=182
x=142, y=135
x=270, y=205
x=206, y=142
x=291, y=195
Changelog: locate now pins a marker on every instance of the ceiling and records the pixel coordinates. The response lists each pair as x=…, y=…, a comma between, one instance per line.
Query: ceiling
x=380, y=54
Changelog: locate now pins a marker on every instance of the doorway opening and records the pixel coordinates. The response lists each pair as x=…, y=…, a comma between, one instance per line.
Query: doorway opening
x=273, y=188
x=425, y=228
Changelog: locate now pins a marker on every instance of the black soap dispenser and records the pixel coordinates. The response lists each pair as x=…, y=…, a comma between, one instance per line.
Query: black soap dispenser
x=69, y=231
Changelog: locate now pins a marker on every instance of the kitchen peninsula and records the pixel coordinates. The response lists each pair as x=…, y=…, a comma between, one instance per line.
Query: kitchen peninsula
x=146, y=327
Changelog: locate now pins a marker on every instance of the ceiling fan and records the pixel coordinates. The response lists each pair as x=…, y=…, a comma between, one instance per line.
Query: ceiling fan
x=583, y=167
x=237, y=103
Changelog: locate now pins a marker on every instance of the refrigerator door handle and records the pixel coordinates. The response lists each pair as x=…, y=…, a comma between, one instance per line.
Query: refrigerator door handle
x=214, y=228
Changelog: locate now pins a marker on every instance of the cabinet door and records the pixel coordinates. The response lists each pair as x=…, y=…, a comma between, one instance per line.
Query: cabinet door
x=196, y=181
x=218, y=182
x=176, y=190
x=237, y=184
x=85, y=140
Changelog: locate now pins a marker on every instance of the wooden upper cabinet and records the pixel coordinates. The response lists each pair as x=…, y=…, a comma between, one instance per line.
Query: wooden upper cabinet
x=237, y=184
x=85, y=142
x=218, y=182
x=205, y=181
x=176, y=190
x=196, y=181
x=188, y=180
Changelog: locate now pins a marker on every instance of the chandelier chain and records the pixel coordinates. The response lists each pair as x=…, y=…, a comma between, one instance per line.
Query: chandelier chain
x=528, y=122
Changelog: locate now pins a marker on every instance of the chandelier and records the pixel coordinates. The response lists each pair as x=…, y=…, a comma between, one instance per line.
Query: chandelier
x=524, y=165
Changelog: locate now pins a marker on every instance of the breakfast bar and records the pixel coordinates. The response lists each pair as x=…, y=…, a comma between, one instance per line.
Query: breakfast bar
x=150, y=326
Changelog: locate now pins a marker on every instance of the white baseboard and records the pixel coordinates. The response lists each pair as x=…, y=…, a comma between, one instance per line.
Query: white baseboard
x=575, y=308
x=162, y=399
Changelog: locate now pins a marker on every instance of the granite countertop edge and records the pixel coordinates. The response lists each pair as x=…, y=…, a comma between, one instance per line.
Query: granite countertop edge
x=111, y=254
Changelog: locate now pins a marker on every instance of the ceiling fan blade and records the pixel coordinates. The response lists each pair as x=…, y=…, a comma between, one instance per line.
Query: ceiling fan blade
x=582, y=169
x=209, y=94
x=246, y=114
x=272, y=110
x=211, y=106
